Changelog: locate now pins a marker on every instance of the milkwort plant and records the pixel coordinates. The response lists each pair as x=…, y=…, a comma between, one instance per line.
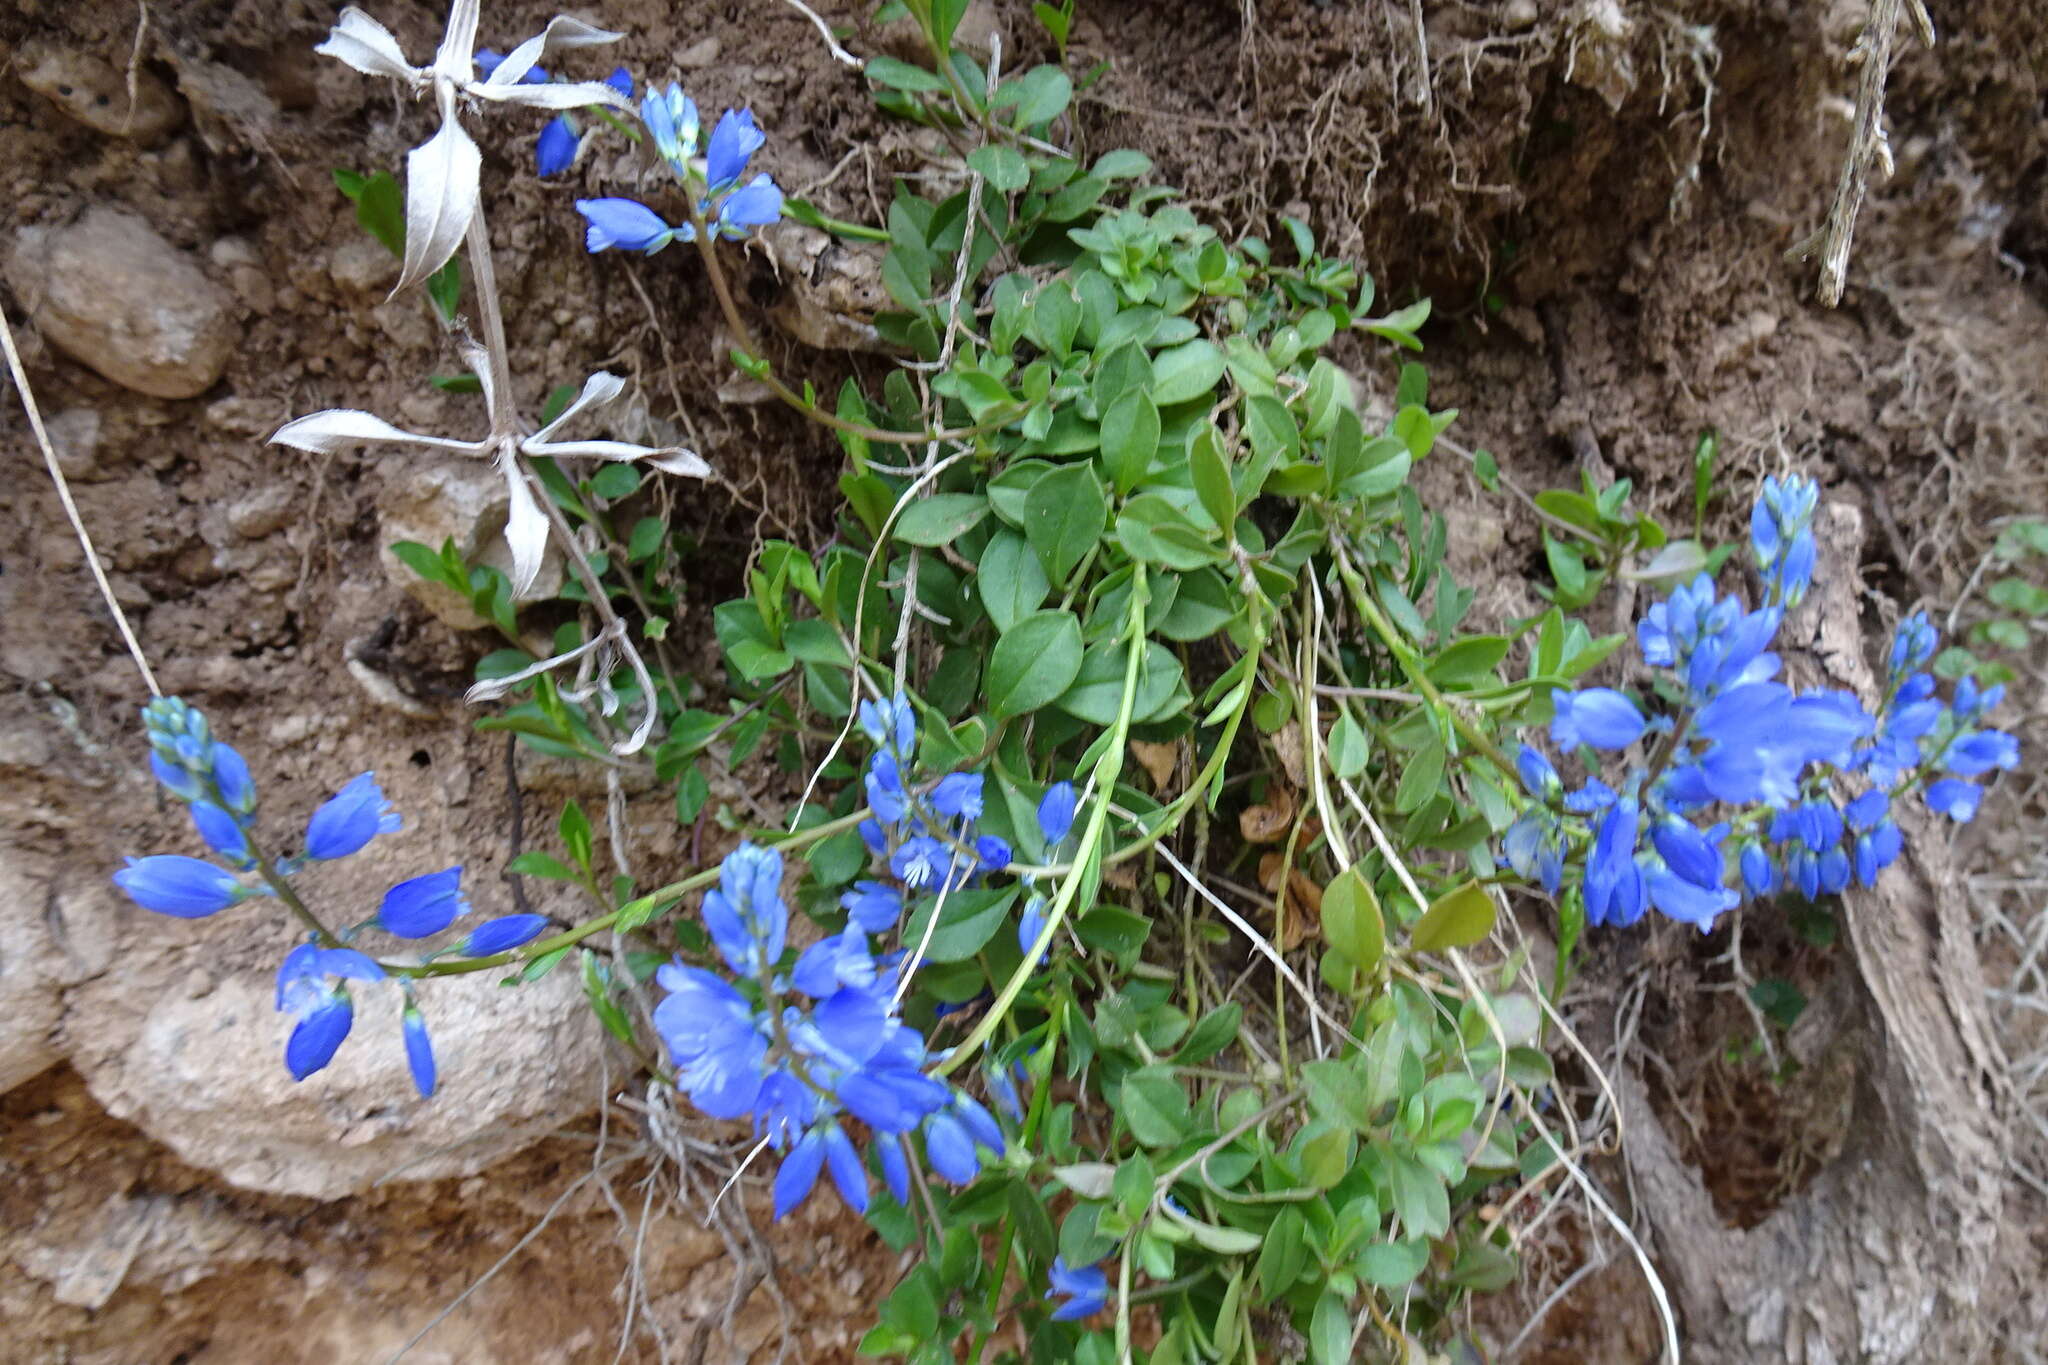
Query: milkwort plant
x=1226, y=1052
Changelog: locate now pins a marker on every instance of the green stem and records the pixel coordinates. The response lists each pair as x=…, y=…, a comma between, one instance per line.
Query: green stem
x=661, y=899
x=1108, y=769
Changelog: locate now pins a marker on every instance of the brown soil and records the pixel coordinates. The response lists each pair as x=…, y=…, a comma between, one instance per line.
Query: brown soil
x=1601, y=220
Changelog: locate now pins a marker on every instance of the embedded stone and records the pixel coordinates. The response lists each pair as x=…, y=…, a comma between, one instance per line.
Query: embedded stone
x=109, y=292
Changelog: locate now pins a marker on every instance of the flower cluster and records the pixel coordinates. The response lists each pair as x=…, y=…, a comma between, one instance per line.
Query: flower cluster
x=1737, y=795
x=214, y=782
x=716, y=195
x=799, y=1046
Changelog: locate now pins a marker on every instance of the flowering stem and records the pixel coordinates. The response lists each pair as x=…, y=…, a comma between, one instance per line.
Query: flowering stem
x=654, y=902
x=268, y=871
x=1087, y=864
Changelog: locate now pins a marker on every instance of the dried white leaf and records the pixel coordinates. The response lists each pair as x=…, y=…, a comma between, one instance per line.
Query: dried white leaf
x=363, y=43
x=687, y=464
x=455, y=60
x=561, y=34
x=441, y=178
x=597, y=390
x=526, y=530
x=592, y=450
x=554, y=95
x=323, y=433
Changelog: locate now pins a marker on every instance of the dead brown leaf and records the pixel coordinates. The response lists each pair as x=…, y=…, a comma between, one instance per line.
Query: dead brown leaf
x=1158, y=761
x=1268, y=822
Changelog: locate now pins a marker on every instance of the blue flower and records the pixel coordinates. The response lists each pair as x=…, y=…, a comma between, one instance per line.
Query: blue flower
x=950, y=1148
x=231, y=780
x=958, y=796
x=890, y=724
x=745, y=914
x=1614, y=882
x=1680, y=898
x=733, y=143
x=921, y=862
x=1759, y=874
x=224, y=834
x=502, y=934
x=349, y=819
x=884, y=783
x=1956, y=799
x=1599, y=716
x=783, y=1108
x=1002, y=1088
x=171, y=884
x=1085, y=1290
x=325, y=1013
x=1781, y=534
x=423, y=906
x=1056, y=813
x=895, y=1167
x=799, y=1172
x=848, y=1175
x=1534, y=848
x=628, y=225
x=714, y=1038
x=991, y=853
x=1976, y=753
x=1913, y=644
x=671, y=119
x=1539, y=778
x=874, y=906
x=834, y=961
x=1878, y=841
x=556, y=149
x=756, y=205
x=1031, y=923
x=419, y=1052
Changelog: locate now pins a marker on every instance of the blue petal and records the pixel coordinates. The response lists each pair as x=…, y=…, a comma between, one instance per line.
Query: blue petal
x=847, y=1172
x=179, y=780
x=874, y=906
x=799, y=1173
x=419, y=1052
x=895, y=1168
x=1056, y=813
x=733, y=142
x=231, y=779
x=172, y=884
x=757, y=205
x=349, y=819
x=624, y=223
x=315, y=1038
x=1599, y=716
x=958, y=795
x=423, y=906
x=980, y=1123
x=1955, y=799
x=1539, y=778
x=621, y=80
x=555, y=151
x=223, y=833
x=347, y=962
x=951, y=1149
x=502, y=934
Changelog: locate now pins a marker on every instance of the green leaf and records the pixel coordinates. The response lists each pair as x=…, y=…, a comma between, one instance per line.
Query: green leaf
x=900, y=75
x=1002, y=166
x=1216, y=1031
x=1421, y=779
x=940, y=519
x=1352, y=922
x=429, y=565
x=1130, y=436
x=534, y=863
x=1121, y=164
x=1033, y=664
x=1154, y=1105
x=1097, y=693
x=1347, y=748
x=615, y=481
x=1336, y=1092
x=1010, y=580
x=444, y=287
x=574, y=827
x=1392, y=1265
x=380, y=207
x=1779, y=999
x=1456, y=919
x=1284, y=1256
x=1064, y=515
x=597, y=987
x=1420, y=1200
x=1186, y=371
x=967, y=921
x=1329, y=1330
x=1210, y=471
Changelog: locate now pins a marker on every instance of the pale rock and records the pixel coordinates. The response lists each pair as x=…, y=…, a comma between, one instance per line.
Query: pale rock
x=431, y=501
x=75, y=438
x=704, y=52
x=262, y=511
x=205, y=1077
x=361, y=265
x=108, y=291
x=94, y=93
x=237, y=415
x=30, y=992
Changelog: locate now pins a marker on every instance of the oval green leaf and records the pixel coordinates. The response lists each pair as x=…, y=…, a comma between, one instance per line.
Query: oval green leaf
x=1456, y=919
x=1033, y=663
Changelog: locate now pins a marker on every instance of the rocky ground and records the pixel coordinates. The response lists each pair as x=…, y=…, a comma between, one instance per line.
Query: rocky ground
x=1599, y=197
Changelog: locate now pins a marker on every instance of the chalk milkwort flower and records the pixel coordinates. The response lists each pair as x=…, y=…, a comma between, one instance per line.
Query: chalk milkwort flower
x=212, y=779
x=732, y=210
x=1737, y=797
